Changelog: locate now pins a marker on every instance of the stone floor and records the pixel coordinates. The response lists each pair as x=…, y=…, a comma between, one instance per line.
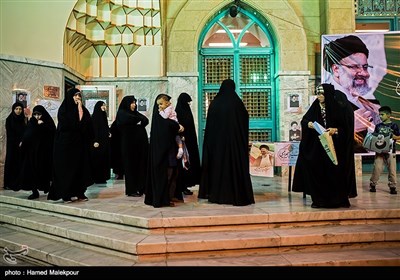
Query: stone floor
x=271, y=195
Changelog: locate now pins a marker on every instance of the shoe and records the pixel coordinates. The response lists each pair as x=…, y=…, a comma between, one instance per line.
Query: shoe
x=136, y=194
x=187, y=192
x=393, y=191
x=83, y=198
x=34, y=195
x=315, y=205
x=345, y=204
x=119, y=177
x=67, y=200
x=372, y=188
x=174, y=199
x=171, y=204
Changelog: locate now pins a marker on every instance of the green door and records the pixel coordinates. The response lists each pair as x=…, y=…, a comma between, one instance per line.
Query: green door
x=239, y=48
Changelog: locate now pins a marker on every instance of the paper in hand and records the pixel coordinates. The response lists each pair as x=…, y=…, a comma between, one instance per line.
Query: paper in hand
x=319, y=128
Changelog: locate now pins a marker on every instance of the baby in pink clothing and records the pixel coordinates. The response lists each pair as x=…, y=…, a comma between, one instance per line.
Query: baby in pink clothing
x=167, y=111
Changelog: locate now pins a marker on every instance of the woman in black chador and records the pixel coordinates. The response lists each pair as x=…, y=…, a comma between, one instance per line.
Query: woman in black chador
x=15, y=128
x=71, y=158
x=162, y=166
x=225, y=175
x=189, y=175
x=329, y=185
x=101, y=147
x=37, y=152
x=134, y=145
x=115, y=150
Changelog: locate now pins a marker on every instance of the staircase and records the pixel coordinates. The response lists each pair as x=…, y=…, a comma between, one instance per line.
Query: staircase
x=78, y=234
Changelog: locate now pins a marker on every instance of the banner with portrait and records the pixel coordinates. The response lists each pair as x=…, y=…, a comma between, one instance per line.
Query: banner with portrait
x=365, y=66
x=262, y=159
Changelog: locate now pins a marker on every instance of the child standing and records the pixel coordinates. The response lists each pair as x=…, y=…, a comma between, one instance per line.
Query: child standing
x=167, y=111
x=389, y=159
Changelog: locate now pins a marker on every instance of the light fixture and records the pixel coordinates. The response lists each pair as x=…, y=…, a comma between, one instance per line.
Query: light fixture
x=233, y=31
x=234, y=9
x=225, y=44
x=372, y=30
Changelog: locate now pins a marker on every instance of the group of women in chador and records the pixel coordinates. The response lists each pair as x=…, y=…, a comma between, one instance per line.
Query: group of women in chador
x=81, y=150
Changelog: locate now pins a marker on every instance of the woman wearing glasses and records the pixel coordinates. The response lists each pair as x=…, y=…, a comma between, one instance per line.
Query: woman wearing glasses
x=330, y=185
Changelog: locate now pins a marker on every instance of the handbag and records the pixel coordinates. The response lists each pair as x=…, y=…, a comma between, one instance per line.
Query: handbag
x=378, y=142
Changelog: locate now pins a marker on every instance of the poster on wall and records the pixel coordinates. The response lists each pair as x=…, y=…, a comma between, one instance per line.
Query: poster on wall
x=51, y=92
x=295, y=131
x=51, y=106
x=286, y=153
x=91, y=94
x=293, y=103
x=23, y=96
x=365, y=67
x=143, y=104
x=262, y=159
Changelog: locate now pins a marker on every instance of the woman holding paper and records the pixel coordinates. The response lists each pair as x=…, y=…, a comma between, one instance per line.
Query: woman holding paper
x=325, y=166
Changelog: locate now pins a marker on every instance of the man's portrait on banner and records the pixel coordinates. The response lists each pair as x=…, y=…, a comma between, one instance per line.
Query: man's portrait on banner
x=358, y=65
x=262, y=159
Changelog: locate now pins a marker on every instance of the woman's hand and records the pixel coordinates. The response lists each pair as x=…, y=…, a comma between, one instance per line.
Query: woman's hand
x=310, y=125
x=332, y=131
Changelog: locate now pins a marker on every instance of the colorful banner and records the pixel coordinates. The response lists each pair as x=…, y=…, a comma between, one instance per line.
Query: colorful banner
x=366, y=67
x=286, y=153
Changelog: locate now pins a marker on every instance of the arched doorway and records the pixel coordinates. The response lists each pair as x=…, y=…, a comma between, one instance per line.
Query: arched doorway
x=240, y=47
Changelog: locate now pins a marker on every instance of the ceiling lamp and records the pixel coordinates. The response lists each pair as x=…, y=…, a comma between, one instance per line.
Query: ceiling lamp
x=234, y=9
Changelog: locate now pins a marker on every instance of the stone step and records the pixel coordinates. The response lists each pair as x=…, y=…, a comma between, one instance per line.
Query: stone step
x=130, y=233
x=50, y=252
x=150, y=220
x=99, y=234
x=145, y=247
x=56, y=252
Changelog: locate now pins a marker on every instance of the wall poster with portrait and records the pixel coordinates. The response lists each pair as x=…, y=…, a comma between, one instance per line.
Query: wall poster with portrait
x=23, y=96
x=364, y=66
x=262, y=159
x=293, y=103
x=92, y=94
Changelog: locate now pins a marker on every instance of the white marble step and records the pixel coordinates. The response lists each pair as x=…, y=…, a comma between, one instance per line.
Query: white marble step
x=146, y=219
x=158, y=246
x=100, y=234
x=50, y=252
x=56, y=252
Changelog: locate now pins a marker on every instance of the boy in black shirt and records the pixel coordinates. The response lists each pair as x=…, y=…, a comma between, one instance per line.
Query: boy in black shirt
x=389, y=159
